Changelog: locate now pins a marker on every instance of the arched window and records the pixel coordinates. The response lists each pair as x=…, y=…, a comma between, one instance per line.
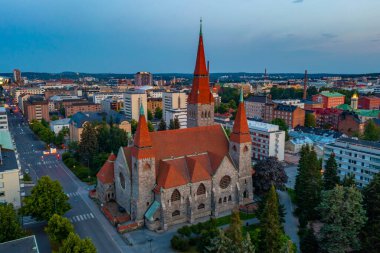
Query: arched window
x=220, y=200
x=147, y=166
x=225, y=182
x=245, y=194
x=122, y=180
x=225, y=199
x=201, y=189
x=245, y=149
x=201, y=206
x=234, y=148
x=209, y=114
x=202, y=115
x=176, y=195
x=175, y=213
x=229, y=198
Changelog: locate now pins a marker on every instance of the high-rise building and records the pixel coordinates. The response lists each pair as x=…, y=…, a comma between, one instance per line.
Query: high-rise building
x=132, y=101
x=175, y=106
x=143, y=78
x=17, y=76
x=361, y=158
x=3, y=119
x=200, y=109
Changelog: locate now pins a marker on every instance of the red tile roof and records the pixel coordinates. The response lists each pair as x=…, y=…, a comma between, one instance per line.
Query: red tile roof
x=142, y=142
x=170, y=176
x=240, y=131
x=106, y=173
x=199, y=168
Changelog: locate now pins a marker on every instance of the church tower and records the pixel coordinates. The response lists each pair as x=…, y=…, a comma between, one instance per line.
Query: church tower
x=241, y=152
x=143, y=170
x=200, y=106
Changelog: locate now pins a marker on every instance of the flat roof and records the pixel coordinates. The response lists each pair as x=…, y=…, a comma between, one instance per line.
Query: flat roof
x=261, y=126
x=9, y=161
x=23, y=245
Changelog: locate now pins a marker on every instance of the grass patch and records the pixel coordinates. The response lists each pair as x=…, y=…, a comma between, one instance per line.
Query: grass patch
x=292, y=195
x=225, y=220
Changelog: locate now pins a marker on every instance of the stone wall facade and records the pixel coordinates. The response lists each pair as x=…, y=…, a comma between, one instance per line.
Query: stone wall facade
x=200, y=115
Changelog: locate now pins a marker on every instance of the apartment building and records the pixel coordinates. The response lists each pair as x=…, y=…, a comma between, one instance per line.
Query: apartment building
x=154, y=103
x=175, y=106
x=98, y=97
x=361, y=158
x=329, y=99
x=267, y=140
x=132, y=102
x=255, y=106
x=27, y=91
x=369, y=102
x=82, y=107
x=3, y=119
x=35, y=107
x=292, y=115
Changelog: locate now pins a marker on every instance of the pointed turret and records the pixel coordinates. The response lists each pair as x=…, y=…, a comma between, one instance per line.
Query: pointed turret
x=240, y=130
x=142, y=137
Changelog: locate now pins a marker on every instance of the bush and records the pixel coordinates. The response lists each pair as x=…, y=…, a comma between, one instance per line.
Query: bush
x=27, y=177
x=179, y=243
x=185, y=231
x=66, y=155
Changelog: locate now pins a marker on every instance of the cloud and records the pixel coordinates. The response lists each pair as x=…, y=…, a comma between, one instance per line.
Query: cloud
x=329, y=35
x=297, y=1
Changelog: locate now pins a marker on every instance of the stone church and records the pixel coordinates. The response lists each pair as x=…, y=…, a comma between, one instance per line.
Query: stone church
x=177, y=176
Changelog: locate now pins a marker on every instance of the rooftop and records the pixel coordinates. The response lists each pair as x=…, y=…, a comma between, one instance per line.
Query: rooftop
x=369, y=144
x=8, y=161
x=6, y=140
x=23, y=245
x=284, y=107
x=261, y=126
x=331, y=94
x=80, y=117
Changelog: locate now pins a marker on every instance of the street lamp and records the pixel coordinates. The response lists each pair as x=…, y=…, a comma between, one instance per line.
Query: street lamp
x=150, y=244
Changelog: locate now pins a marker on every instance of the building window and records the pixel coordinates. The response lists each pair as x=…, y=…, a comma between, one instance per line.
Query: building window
x=175, y=195
x=201, y=206
x=220, y=200
x=225, y=199
x=147, y=166
x=175, y=213
x=229, y=198
x=201, y=189
x=225, y=182
x=122, y=180
x=2, y=194
x=245, y=149
x=234, y=148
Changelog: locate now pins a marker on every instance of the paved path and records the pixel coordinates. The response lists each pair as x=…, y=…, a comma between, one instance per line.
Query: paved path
x=291, y=221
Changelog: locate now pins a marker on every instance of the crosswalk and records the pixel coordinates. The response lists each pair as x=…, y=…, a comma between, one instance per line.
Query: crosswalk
x=72, y=194
x=82, y=217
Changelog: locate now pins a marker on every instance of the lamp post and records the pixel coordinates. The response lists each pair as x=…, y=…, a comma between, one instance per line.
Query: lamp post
x=150, y=244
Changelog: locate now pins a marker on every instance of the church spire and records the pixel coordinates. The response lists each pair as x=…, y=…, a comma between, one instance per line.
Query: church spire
x=142, y=137
x=240, y=130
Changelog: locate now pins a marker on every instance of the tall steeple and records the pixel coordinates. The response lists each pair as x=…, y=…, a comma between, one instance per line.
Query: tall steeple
x=240, y=130
x=200, y=100
x=142, y=138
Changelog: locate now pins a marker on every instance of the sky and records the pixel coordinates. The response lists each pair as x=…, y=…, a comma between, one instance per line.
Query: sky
x=161, y=36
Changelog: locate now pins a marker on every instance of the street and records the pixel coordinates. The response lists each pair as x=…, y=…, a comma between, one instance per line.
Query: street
x=85, y=215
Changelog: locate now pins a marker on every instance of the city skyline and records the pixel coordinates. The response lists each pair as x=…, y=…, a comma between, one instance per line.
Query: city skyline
x=240, y=36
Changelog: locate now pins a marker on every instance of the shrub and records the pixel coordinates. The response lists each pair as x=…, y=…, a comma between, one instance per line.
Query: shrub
x=185, y=231
x=179, y=243
x=66, y=155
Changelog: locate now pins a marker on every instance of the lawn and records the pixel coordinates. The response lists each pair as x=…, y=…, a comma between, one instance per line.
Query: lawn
x=225, y=220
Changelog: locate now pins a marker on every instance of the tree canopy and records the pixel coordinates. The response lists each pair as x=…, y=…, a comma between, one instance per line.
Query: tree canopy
x=59, y=228
x=269, y=172
x=47, y=198
x=371, y=131
x=330, y=175
x=10, y=227
x=73, y=243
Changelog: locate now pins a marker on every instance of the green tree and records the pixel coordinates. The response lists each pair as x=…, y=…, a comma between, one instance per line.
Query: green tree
x=330, y=175
x=308, y=185
x=158, y=113
x=349, y=180
x=150, y=127
x=162, y=125
x=174, y=124
x=150, y=115
x=103, y=137
x=222, y=109
x=47, y=198
x=343, y=217
x=54, y=117
x=133, y=126
x=371, y=131
x=270, y=227
x=59, y=228
x=310, y=120
x=282, y=126
x=234, y=230
x=75, y=244
x=118, y=138
x=88, y=145
x=10, y=227
x=308, y=242
x=371, y=231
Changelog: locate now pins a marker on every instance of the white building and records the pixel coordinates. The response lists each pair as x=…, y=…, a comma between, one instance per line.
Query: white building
x=156, y=93
x=98, y=97
x=267, y=140
x=295, y=102
x=181, y=114
x=132, y=101
x=57, y=125
x=361, y=158
x=28, y=91
x=174, y=104
x=3, y=119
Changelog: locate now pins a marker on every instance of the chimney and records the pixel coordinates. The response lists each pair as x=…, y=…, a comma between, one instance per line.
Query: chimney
x=305, y=86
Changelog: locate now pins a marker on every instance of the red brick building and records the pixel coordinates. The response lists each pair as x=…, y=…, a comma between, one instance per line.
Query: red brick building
x=329, y=99
x=328, y=117
x=292, y=115
x=87, y=107
x=35, y=107
x=369, y=103
x=350, y=123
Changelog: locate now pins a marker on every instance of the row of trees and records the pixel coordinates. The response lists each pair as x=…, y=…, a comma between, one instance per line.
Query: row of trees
x=157, y=114
x=47, y=202
x=43, y=131
x=291, y=93
x=336, y=206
